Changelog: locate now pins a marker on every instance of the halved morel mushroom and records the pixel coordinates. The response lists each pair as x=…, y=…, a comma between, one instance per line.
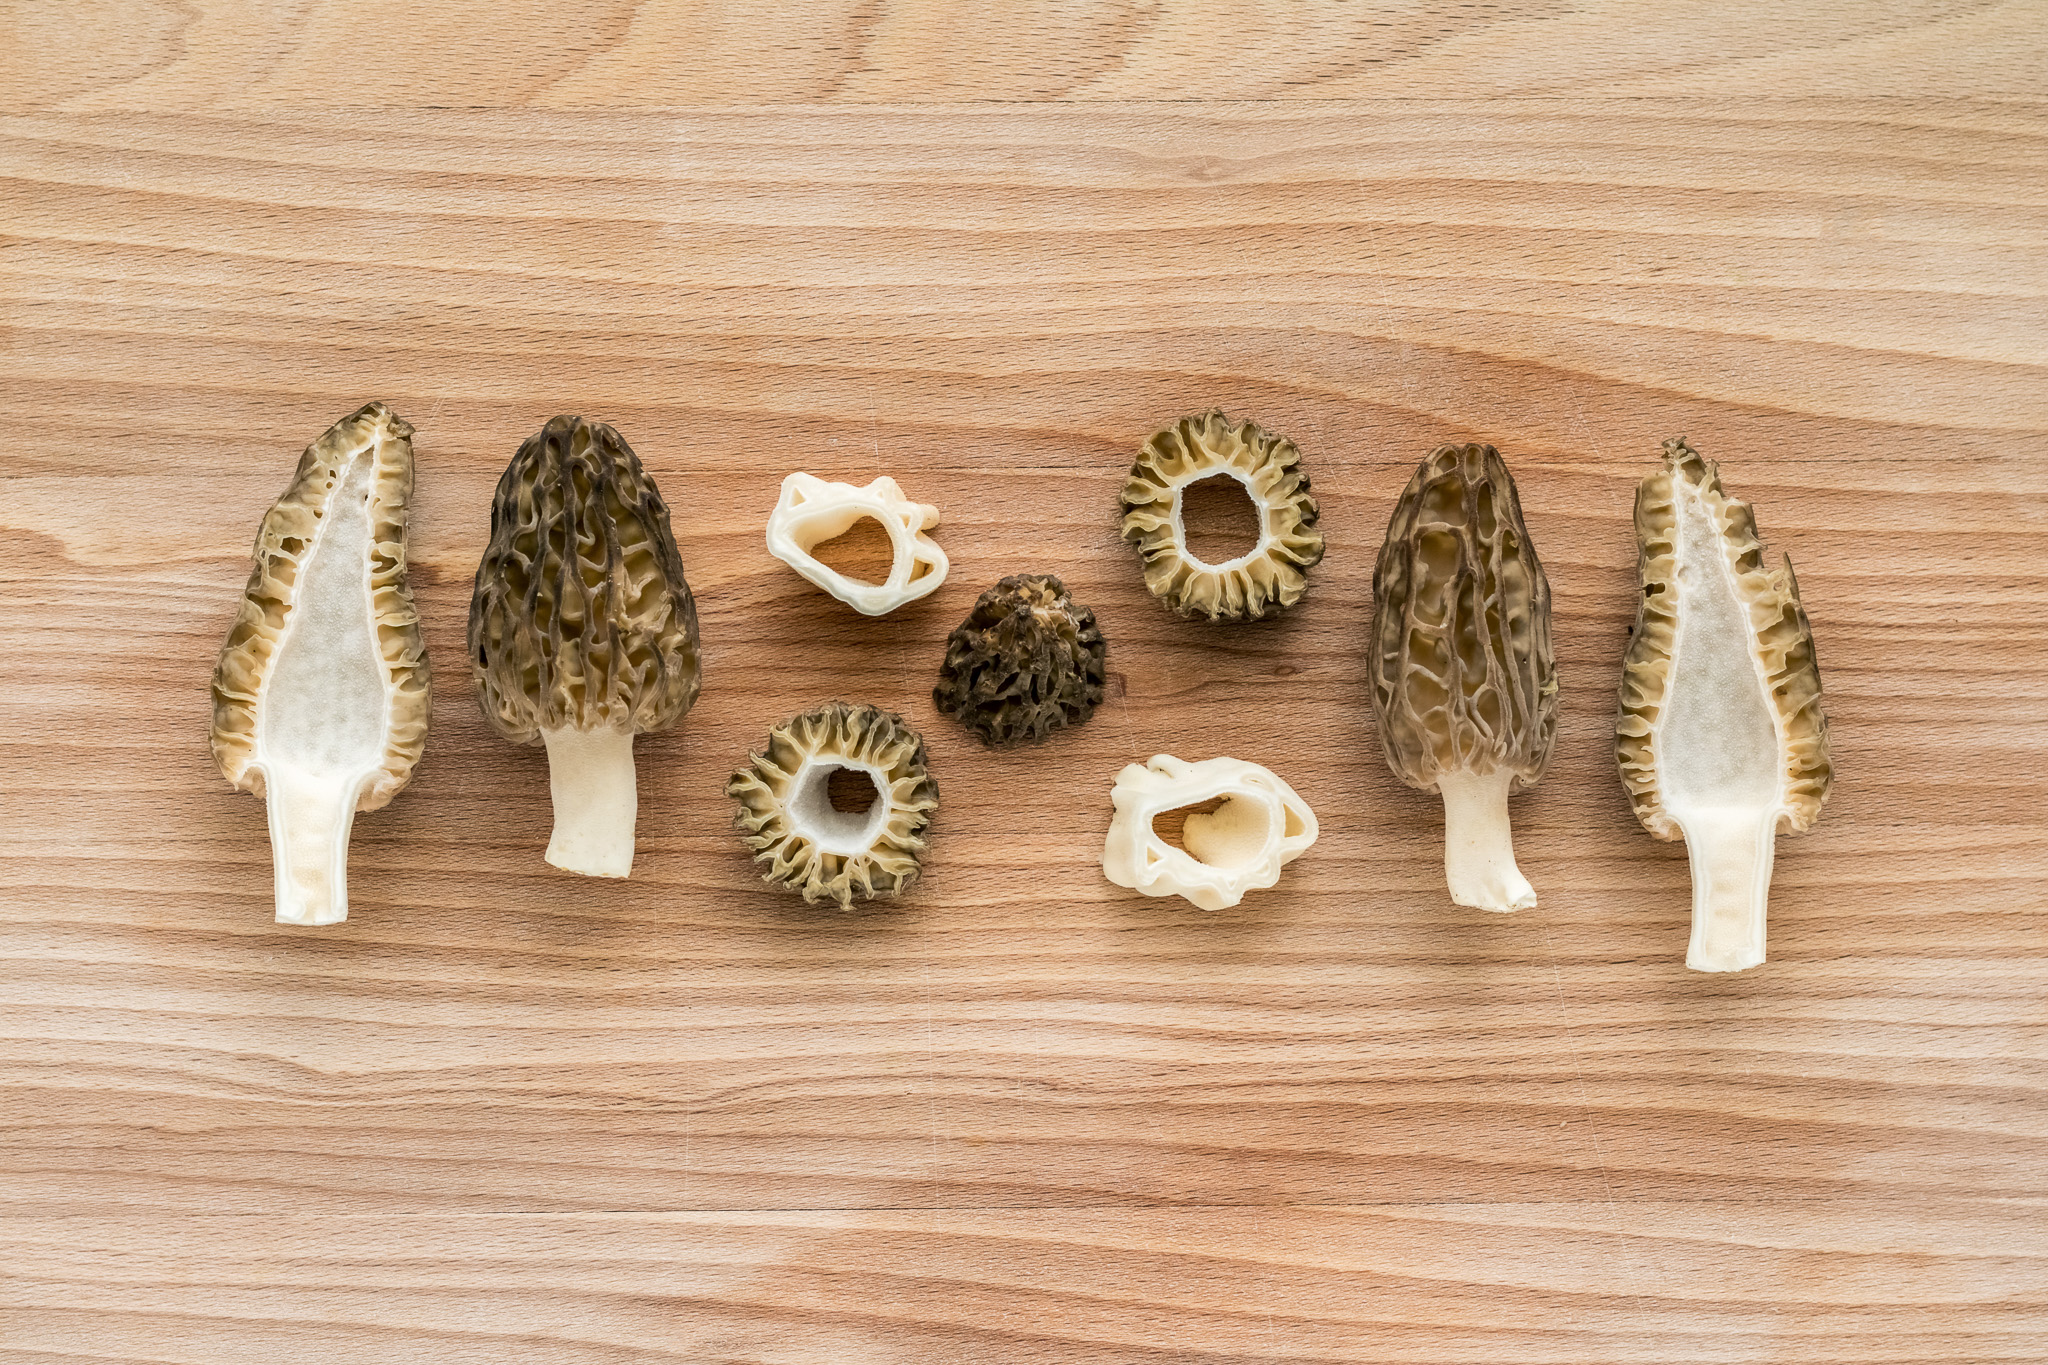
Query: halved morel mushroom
x=1257, y=825
x=802, y=837
x=1028, y=660
x=320, y=696
x=582, y=629
x=1463, y=679
x=1269, y=577
x=1720, y=737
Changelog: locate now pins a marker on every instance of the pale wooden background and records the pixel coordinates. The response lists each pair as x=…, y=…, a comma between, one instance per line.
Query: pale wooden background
x=1024, y=1116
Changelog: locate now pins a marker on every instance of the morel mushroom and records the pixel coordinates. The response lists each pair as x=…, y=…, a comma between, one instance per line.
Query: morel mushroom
x=582, y=630
x=1720, y=737
x=320, y=695
x=1028, y=660
x=1269, y=577
x=1258, y=827
x=1463, y=679
x=811, y=511
x=801, y=837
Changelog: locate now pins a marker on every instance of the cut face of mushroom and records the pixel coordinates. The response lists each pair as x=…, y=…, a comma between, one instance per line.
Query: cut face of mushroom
x=582, y=629
x=1464, y=684
x=1028, y=660
x=812, y=511
x=1268, y=577
x=804, y=841
x=1260, y=826
x=1720, y=737
x=320, y=694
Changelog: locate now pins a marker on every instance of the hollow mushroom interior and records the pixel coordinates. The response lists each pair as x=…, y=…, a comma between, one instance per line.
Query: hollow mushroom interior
x=840, y=807
x=1226, y=832
x=1719, y=745
x=1221, y=523
x=321, y=718
x=860, y=551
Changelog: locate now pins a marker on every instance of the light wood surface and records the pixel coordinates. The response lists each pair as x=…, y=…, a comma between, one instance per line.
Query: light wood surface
x=508, y=1115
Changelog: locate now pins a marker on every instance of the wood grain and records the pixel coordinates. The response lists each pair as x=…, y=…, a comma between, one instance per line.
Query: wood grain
x=196, y=55
x=1023, y=1115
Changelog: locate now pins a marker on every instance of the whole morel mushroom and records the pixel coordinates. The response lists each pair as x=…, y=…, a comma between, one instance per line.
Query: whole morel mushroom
x=1463, y=679
x=1720, y=736
x=582, y=630
x=320, y=695
x=1028, y=660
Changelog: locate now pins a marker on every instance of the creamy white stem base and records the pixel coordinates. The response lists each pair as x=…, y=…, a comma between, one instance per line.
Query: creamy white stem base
x=1730, y=852
x=597, y=802
x=1479, y=848
x=310, y=818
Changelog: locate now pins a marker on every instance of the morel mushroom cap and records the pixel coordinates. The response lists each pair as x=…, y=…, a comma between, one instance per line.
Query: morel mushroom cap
x=1269, y=577
x=1259, y=827
x=1028, y=660
x=582, y=629
x=320, y=697
x=1463, y=678
x=1720, y=737
x=787, y=817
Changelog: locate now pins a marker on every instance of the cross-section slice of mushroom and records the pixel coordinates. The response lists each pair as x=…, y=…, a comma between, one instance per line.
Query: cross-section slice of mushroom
x=1269, y=577
x=1463, y=679
x=1259, y=827
x=1720, y=737
x=320, y=695
x=801, y=839
x=811, y=511
x=582, y=629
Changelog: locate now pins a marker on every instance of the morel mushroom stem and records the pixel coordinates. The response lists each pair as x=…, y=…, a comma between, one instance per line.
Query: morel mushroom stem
x=1479, y=849
x=1730, y=852
x=310, y=820
x=597, y=804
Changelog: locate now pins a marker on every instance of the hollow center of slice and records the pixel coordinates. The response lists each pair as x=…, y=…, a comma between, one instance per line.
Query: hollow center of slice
x=852, y=791
x=1226, y=832
x=862, y=552
x=839, y=807
x=1219, y=520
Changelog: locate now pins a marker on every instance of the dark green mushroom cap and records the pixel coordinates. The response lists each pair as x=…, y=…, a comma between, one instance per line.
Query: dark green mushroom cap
x=581, y=618
x=1028, y=660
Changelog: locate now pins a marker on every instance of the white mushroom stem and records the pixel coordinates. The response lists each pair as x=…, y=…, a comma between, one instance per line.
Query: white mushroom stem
x=1479, y=849
x=310, y=817
x=1730, y=851
x=590, y=775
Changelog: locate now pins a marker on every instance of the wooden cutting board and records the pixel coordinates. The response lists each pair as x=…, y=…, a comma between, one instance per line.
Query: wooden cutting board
x=504, y=1114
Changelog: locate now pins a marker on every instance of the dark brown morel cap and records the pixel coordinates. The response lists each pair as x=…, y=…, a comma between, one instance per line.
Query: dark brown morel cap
x=1463, y=676
x=1028, y=660
x=581, y=617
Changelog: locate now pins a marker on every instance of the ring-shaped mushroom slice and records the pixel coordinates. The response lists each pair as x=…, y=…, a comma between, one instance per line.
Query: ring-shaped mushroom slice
x=801, y=839
x=1720, y=737
x=1269, y=577
x=320, y=695
x=812, y=511
x=1259, y=827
